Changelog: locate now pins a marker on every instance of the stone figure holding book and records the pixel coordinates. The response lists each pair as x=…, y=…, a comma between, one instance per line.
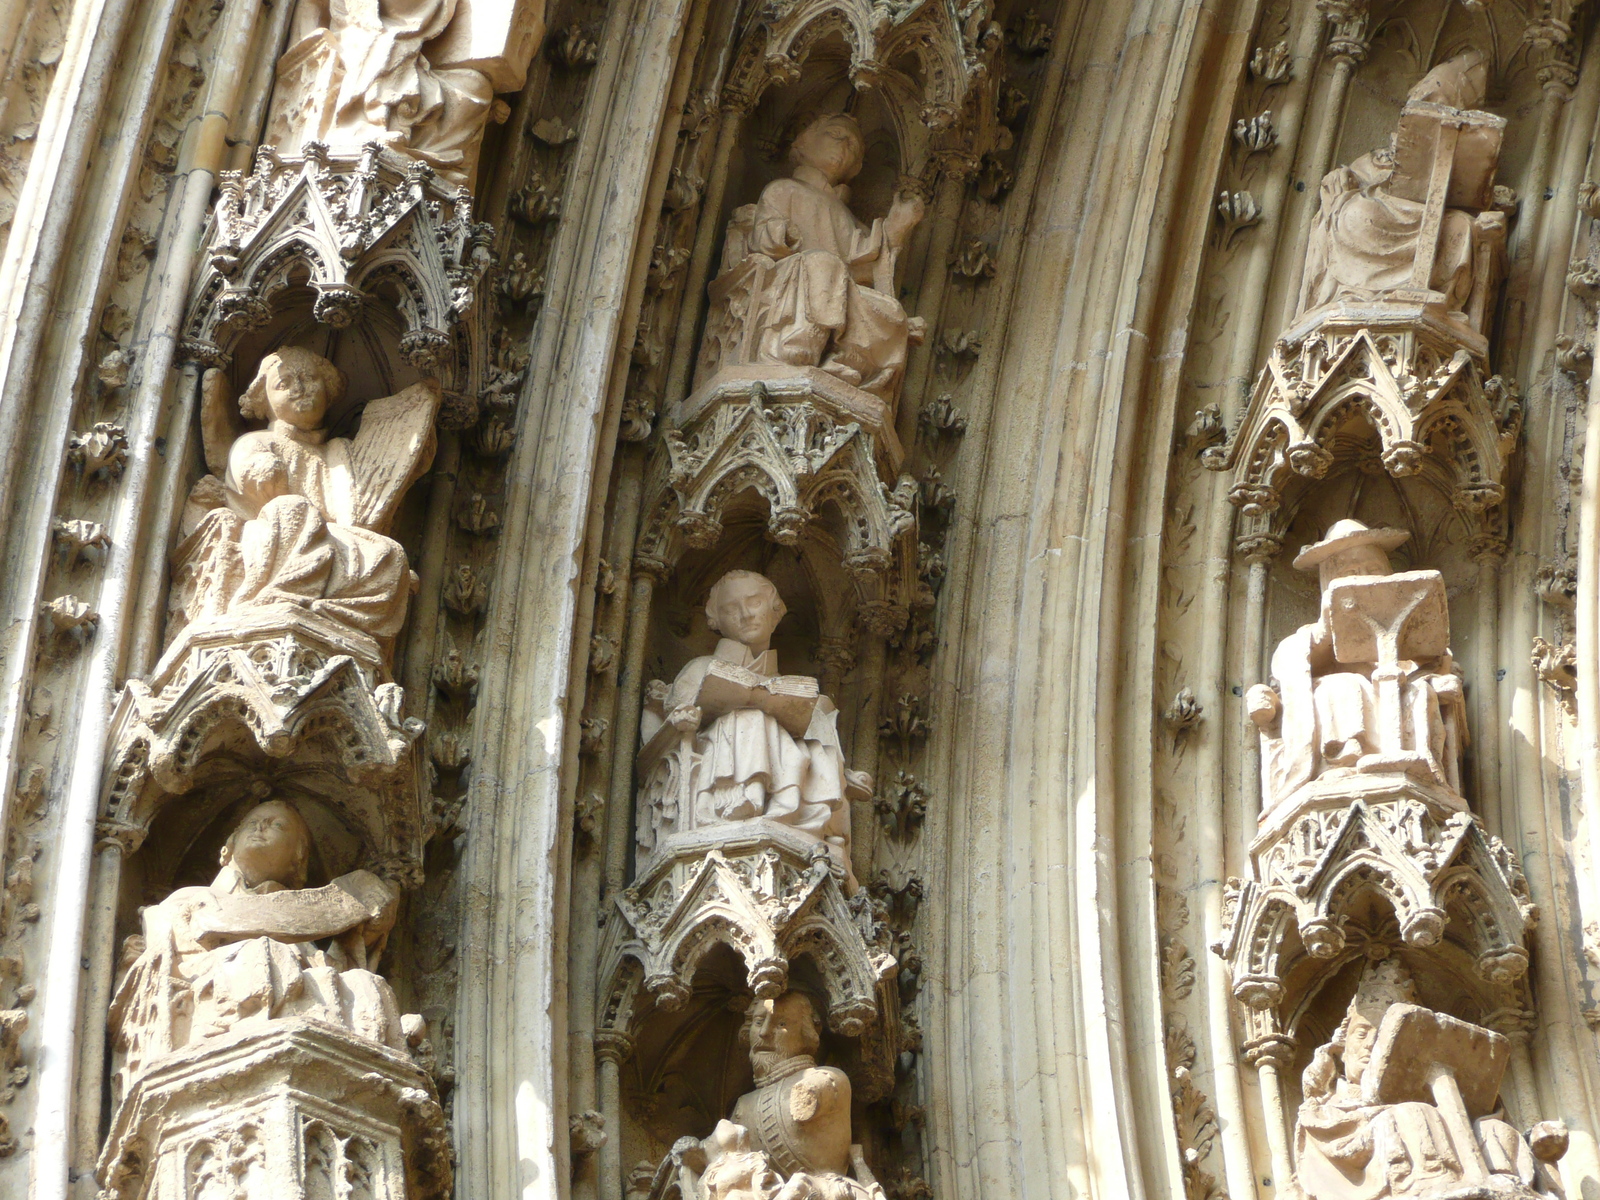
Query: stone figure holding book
x=1404, y=1101
x=1370, y=687
x=765, y=745
x=1376, y=233
x=257, y=946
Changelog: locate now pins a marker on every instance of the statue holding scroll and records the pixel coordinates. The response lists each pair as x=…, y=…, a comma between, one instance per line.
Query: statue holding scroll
x=805, y=283
x=789, y=1137
x=1404, y=1101
x=764, y=745
x=256, y=946
x=1371, y=685
x=291, y=519
x=1418, y=216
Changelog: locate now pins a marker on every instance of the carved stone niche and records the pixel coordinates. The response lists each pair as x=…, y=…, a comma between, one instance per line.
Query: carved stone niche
x=255, y=1048
x=353, y=234
x=694, y=947
x=1362, y=730
x=1402, y=269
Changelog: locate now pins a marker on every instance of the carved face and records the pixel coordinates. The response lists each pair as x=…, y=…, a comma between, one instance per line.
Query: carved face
x=1359, y=1036
x=832, y=146
x=747, y=609
x=295, y=394
x=782, y=1029
x=272, y=843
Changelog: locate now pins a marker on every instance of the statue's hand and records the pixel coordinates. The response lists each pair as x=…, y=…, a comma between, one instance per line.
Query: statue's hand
x=904, y=215
x=1262, y=704
x=685, y=719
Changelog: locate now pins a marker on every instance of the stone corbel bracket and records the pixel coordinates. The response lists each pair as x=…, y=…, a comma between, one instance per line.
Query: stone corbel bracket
x=1417, y=378
x=820, y=454
x=352, y=228
x=283, y=693
x=772, y=900
x=944, y=113
x=1442, y=874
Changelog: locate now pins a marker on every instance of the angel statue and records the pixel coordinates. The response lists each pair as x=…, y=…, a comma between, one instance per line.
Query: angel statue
x=290, y=519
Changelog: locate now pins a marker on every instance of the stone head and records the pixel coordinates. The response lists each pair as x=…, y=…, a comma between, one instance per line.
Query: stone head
x=1459, y=82
x=1350, y=548
x=271, y=845
x=833, y=145
x=746, y=607
x=1383, y=983
x=295, y=386
x=781, y=1030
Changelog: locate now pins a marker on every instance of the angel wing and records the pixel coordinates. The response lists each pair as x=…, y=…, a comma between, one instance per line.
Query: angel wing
x=391, y=450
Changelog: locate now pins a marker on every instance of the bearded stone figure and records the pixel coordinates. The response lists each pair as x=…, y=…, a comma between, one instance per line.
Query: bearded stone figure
x=1370, y=686
x=255, y=947
x=806, y=284
x=765, y=745
x=1403, y=1101
x=1369, y=229
x=789, y=1139
x=356, y=72
x=292, y=520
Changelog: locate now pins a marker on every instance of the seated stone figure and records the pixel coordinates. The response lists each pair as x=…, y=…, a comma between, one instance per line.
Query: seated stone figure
x=1368, y=230
x=789, y=1139
x=293, y=518
x=255, y=947
x=354, y=75
x=1334, y=706
x=1352, y=1145
x=766, y=745
x=806, y=283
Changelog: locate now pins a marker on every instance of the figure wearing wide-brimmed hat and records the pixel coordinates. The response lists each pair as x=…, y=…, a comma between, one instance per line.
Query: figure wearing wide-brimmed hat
x=1322, y=714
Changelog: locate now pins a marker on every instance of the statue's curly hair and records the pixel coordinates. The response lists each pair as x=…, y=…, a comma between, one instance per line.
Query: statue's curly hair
x=253, y=404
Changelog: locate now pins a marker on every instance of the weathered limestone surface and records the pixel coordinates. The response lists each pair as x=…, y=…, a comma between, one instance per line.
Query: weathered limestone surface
x=715, y=577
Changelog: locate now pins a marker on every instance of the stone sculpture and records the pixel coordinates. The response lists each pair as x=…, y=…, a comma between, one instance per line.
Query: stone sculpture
x=759, y=744
x=255, y=1050
x=1416, y=216
x=414, y=75
x=1370, y=686
x=789, y=1137
x=243, y=952
x=293, y=521
x=805, y=283
x=1403, y=1101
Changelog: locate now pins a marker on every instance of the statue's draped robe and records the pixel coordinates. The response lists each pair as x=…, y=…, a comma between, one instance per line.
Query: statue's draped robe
x=219, y=958
x=1329, y=713
x=748, y=765
x=303, y=523
x=1365, y=241
x=1347, y=1149
x=815, y=266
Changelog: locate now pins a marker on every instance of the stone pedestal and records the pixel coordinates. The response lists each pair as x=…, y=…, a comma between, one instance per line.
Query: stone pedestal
x=297, y=1111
